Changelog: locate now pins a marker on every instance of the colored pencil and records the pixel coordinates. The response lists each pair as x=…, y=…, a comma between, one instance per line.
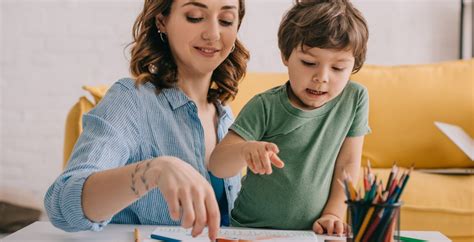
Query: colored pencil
x=136, y=235
x=373, y=210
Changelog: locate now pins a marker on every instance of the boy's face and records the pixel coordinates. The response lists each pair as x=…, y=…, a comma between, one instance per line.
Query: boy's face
x=317, y=75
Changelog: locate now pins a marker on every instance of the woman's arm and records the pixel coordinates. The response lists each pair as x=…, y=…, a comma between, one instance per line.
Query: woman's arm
x=107, y=192
x=348, y=160
x=97, y=182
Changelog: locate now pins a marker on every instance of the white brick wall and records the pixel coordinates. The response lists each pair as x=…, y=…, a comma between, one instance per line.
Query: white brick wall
x=49, y=49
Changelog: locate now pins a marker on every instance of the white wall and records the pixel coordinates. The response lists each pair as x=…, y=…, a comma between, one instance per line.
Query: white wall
x=49, y=49
x=1, y=98
x=401, y=31
x=468, y=42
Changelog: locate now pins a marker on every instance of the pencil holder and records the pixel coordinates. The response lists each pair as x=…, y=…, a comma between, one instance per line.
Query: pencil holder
x=369, y=222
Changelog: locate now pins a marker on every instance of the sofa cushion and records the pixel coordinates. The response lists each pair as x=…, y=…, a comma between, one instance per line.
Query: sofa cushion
x=97, y=92
x=435, y=202
x=253, y=84
x=404, y=103
x=74, y=118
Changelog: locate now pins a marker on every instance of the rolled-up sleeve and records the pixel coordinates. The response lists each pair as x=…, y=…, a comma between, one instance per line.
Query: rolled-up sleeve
x=63, y=204
x=109, y=138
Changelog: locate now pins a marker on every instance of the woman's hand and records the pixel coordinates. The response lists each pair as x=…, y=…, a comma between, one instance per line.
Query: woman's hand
x=260, y=156
x=184, y=188
x=330, y=224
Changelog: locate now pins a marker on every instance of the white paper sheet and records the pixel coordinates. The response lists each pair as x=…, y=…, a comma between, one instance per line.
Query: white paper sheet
x=236, y=234
x=459, y=137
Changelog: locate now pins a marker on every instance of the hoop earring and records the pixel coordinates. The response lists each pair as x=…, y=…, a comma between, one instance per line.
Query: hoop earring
x=161, y=36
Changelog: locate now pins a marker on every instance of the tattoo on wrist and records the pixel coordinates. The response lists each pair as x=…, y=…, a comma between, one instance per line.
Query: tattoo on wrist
x=142, y=177
x=134, y=175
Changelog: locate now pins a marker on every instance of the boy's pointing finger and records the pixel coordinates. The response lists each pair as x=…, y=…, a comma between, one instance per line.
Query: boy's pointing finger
x=276, y=161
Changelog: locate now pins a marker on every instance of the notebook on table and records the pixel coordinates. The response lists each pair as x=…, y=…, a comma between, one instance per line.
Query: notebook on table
x=178, y=234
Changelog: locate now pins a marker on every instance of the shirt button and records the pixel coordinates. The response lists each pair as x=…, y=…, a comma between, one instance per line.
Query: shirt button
x=229, y=187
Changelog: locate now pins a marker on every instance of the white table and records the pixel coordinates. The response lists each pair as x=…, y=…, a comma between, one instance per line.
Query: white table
x=45, y=232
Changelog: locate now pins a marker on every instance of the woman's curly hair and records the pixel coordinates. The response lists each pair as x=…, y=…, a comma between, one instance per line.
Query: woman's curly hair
x=148, y=49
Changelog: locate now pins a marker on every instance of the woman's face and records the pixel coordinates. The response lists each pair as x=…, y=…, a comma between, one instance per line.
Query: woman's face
x=200, y=33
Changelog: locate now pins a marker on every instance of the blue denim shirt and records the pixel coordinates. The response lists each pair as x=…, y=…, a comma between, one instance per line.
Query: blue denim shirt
x=129, y=125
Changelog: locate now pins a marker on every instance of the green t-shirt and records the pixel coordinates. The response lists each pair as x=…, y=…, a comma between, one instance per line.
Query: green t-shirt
x=309, y=141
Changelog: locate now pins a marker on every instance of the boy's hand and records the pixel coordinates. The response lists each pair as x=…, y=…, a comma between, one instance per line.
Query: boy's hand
x=330, y=224
x=260, y=156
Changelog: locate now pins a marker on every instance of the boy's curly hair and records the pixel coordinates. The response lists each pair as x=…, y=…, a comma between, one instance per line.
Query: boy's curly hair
x=148, y=48
x=326, y=24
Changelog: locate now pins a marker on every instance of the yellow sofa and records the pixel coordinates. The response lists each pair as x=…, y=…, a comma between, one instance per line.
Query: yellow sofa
x=404, y=103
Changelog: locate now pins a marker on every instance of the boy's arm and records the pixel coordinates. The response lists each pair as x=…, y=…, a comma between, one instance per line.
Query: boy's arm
x=349, y=160
x=233, y=153
x=226, y=160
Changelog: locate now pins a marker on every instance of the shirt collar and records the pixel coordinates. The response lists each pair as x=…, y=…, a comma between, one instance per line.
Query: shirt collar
x=223, y=111
x=176, y=98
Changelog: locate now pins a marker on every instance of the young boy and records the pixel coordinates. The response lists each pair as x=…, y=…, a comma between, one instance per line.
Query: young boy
x=315, y=123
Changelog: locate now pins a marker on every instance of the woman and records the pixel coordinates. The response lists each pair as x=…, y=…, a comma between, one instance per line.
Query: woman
x=142, y=157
